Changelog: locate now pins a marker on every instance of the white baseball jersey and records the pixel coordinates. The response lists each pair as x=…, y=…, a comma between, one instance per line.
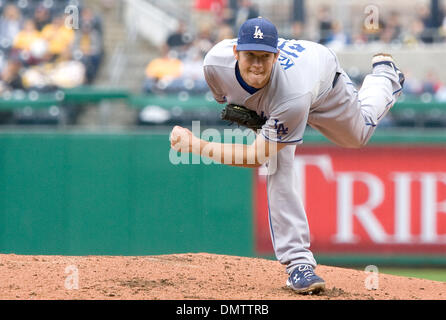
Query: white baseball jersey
x=302, y=91
x=301, y=77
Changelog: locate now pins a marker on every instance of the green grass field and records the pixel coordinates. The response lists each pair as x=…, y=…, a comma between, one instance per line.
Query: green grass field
x=436, y=274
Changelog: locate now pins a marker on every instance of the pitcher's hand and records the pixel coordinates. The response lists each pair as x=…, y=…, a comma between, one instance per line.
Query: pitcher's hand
x=181, y=139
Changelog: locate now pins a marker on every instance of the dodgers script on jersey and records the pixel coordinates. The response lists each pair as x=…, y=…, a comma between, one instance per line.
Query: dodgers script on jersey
x=300, y=80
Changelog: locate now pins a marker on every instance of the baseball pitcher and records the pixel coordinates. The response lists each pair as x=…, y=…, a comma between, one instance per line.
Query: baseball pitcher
x=283, y=85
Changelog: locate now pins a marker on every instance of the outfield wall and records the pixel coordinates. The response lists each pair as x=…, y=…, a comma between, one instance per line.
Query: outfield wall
x=118, y=193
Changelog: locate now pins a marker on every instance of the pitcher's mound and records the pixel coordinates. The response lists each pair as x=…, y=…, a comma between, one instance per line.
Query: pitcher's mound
x=187, y=276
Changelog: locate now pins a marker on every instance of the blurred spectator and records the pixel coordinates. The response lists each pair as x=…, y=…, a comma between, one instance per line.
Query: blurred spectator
x=165, y=67
x=67, y=72
x=162, y=70
x=412, y=85
x=88, y=48
x=229, y=12
x=10, y=24
x=428, y=34
x=64, y=72
x=193, y=75
x=298, y=11
x=10, y=76
x=297, y=31
x=415, y=87
x=325, y=22
x=170, y=74
x=59, y=37
x=339, y=39
x=180, y=39
x=431, y=83
x=224, y=32
x=29, y=43
x=91, y=19
x=203, y=41
x=42, y=17
x=245, y=10
x=413, y=36
x=193, y=66
x=392, y=29
x=26, y=36
x=387, y=35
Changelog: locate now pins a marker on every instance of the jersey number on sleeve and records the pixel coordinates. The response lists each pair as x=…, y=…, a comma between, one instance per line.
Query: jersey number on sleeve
x=291, y=49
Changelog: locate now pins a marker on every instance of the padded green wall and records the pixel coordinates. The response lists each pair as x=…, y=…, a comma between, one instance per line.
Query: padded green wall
x=117, y=194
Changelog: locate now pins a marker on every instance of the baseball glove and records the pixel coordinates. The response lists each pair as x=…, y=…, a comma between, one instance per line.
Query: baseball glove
x=242, y=116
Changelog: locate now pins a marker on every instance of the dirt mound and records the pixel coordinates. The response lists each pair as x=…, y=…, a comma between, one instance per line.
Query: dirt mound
x=187, y=276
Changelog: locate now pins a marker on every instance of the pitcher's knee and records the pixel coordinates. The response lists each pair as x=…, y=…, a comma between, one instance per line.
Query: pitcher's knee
x=355, y=142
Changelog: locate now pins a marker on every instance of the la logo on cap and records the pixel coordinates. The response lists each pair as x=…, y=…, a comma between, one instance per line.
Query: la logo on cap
x=258, y=34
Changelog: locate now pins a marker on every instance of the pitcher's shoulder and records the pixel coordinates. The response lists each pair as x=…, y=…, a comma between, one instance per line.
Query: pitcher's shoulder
x=293, y=46
x=221, y=54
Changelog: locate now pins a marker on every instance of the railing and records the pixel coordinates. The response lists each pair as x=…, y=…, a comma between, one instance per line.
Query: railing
x=150, y=22
x=411, y=112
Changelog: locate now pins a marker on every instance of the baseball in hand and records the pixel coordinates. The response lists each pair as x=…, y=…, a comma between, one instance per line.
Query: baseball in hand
x=181, y=139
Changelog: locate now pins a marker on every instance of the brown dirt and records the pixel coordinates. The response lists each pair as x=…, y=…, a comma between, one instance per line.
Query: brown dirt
x=187, y=276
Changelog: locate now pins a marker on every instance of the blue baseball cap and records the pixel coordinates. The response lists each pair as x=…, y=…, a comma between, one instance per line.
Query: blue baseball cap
x=258, y=34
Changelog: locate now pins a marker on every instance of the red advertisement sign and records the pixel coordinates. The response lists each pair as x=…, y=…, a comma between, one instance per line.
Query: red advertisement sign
x=388, y=199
